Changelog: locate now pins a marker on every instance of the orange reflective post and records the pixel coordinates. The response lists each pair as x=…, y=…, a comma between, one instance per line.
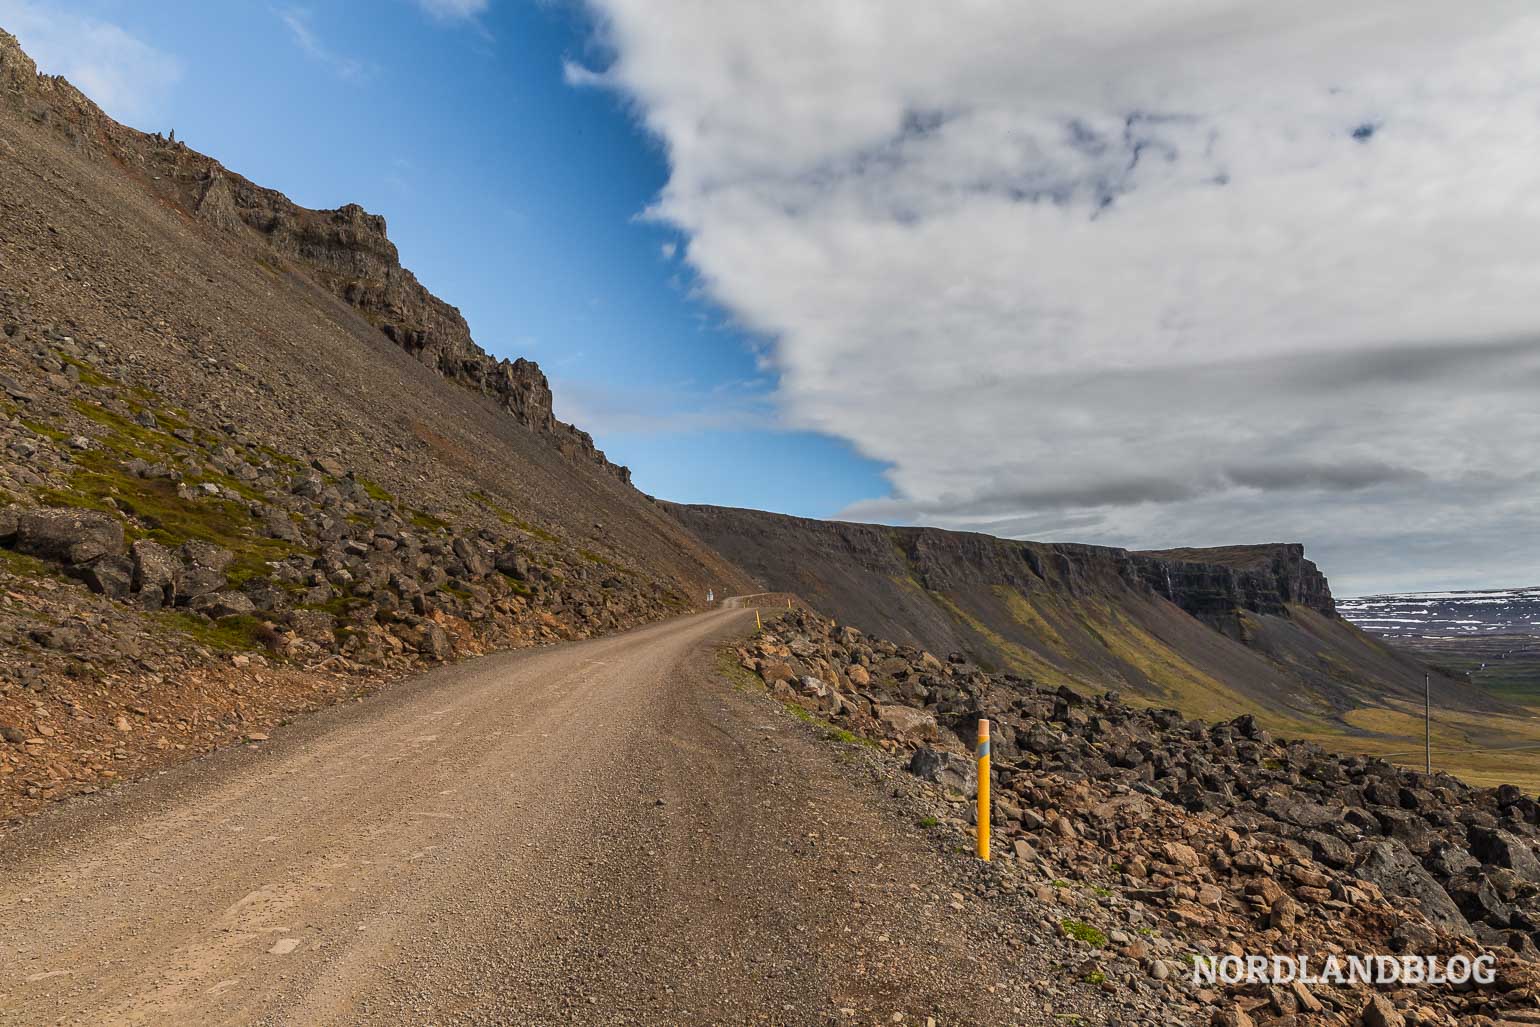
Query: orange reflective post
x=982, y=814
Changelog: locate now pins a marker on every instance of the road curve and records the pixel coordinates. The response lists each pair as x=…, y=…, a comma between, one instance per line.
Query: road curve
x=603, y=832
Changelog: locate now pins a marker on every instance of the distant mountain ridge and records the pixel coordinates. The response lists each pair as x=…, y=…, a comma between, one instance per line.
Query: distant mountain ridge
x=1506, y=611
x=1215, y=632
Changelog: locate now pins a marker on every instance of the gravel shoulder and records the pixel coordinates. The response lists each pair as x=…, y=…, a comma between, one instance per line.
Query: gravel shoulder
x=601, y=832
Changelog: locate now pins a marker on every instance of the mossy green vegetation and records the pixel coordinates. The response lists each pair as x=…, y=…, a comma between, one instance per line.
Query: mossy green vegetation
x=508, y=517
x=156, y=506
x=26, y=566
x=47, y=431
x=425, y=521
x=374, y=491
x=1081, y=931
x=89, y=375
x=519, y=587
x=229, y=633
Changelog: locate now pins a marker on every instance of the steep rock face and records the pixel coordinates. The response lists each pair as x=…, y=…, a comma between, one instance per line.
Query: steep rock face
x=1211, y=583
x=345, y=250
x=1218, y=632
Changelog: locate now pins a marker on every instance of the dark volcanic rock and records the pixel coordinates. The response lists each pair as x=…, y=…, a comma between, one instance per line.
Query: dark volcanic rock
x=68, y=536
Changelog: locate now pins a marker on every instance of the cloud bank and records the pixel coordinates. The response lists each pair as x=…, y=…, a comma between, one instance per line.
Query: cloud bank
x=1150, y=273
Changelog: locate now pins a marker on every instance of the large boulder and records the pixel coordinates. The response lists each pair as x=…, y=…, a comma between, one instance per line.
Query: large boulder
x=203, y=569
x=1299, y=812
x=512, y=563
x=1393, y=868
x=1510, y=851
x=907, y=723
x=68, y=536
x=216, y=605
x=433, y=642
x=10, y=517
x=477, y=565
x=950, y=771
x=156, y=570
x=817, y=695
x=112, y=576
x=280, y=525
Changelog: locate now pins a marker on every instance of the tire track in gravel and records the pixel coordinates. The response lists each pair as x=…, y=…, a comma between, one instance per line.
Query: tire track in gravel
x=604, y=832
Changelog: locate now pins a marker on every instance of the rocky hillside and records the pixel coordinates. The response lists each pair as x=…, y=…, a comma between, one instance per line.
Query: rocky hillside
x=1160, y=838
x=1214, y=632
x=346, y=251
x=248, y=465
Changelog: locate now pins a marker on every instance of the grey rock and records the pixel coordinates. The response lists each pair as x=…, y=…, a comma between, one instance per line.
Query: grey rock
x=111, y=576
x=10, y=517
x=69, y=536
x=280, y=525
x=1509, y=850
x=156, y=569
x=512, y=563
x=1392, y=867
x=946, y=769
x=222, y=604
x=203, y=569
x=477, y=565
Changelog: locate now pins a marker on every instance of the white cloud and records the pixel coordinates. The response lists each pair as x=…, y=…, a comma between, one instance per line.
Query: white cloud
x=668, y=250
x=454, y=10
x=301, y=26
x=127, y=77
x=1175, y=271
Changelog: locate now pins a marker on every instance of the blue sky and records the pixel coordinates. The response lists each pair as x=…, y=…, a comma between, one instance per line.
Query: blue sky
x=1196, y=272
x=510, y=193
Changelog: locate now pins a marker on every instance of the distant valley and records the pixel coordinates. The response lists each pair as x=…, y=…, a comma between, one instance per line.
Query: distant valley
x=1490, y=637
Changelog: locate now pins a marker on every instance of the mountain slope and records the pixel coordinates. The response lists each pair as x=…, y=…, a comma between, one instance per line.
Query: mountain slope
x=1249, y=629
x=249, y=465
x=297, y=325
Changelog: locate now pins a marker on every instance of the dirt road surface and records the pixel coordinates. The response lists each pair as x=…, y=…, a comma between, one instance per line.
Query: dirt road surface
x=606, y=832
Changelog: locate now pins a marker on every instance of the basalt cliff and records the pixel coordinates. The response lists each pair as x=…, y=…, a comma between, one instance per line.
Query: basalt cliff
x=1216, y=632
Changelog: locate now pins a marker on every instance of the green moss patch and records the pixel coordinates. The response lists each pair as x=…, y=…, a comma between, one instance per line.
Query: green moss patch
x=427, y=522
x=374, y=491
x=89, y=375
x=163, y=515
x=1083, y=932
x=229, y=633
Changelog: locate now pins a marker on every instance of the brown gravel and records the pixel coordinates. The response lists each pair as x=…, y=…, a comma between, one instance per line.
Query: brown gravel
x=603, y=832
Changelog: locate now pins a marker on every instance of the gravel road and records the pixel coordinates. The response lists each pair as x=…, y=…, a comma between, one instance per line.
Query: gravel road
x=605, y=832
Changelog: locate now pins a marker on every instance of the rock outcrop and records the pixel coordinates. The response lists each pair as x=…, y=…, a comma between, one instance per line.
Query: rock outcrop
x=345, y=250
x=1211, y=584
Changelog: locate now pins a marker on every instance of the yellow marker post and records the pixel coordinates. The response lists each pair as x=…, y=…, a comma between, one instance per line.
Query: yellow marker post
x=757, y=623
x=983, y=790
x=788, y=602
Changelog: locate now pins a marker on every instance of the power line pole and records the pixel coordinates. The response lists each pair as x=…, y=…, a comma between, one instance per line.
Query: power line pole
x=1427, y=723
